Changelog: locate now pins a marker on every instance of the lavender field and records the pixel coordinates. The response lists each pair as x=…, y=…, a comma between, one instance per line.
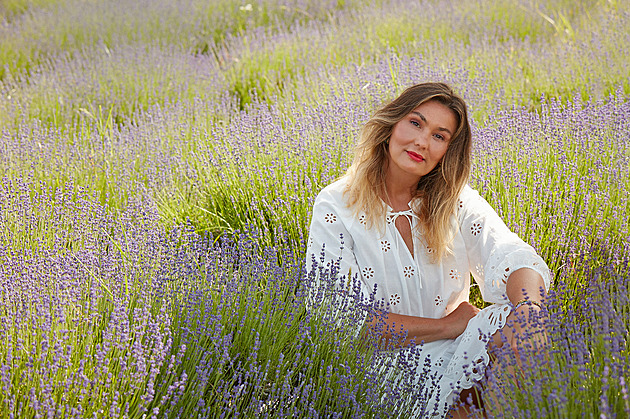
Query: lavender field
x=159, y=160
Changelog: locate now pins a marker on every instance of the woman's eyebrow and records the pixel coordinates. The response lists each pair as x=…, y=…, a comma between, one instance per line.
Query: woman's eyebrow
x=425, y=120
x=419, y=115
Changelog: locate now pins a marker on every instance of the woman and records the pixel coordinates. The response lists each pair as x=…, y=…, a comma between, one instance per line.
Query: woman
x=404, y=221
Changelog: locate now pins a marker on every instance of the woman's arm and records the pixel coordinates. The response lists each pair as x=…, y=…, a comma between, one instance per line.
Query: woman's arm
x=425, y=329
x=496, y=254
x=525, y=283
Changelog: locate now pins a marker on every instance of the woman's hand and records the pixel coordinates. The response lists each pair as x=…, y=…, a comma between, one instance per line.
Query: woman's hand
x=458, y=319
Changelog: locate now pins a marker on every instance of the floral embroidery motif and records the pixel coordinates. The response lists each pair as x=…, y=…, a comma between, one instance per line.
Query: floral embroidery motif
x=385, y=246
x=389, y=219
x=430, y=250
x=439, y=301
x=362, y=219
x=496, y=319
x=479, y=269
x=477, y=366
x=475, y=228
x=505, y=275
x=454, y=274
x=368, y=272
x=466, y=337
x=408, y=271
x=454, y=361
x=330, y=218
x=461, y=204
x=394, y=299
x=439, y=362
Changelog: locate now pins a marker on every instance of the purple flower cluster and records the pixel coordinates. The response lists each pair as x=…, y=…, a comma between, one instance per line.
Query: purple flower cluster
x=114, y=316
x=559, y=177
x=584, y=366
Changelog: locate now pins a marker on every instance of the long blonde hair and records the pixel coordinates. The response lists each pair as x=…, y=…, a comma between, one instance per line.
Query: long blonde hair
x=436, y=196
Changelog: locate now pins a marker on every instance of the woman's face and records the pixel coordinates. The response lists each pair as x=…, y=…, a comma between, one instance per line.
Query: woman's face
x=419, y=141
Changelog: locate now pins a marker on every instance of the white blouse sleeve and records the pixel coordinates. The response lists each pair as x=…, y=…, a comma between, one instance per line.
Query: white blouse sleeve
x=494, y=252
x=330, y=246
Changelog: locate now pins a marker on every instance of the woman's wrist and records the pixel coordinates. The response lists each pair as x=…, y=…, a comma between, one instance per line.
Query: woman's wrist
x=449, y=329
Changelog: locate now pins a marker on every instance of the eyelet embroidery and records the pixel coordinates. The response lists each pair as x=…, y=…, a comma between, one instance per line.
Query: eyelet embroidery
x=367, y=272
x=385, y=246
x=475, y=228
x=408, y=271
x=430, y=250
x=394, y=299
x=330, y=218
x=454, y=274
x=479, y=269
x=362, y=219
x=439, y=301
x=451, y=365
x=495, y=319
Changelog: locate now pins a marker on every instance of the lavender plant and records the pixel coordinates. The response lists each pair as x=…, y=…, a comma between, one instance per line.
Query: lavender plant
x=260, y=47
x=584, y=368
x=136, y=320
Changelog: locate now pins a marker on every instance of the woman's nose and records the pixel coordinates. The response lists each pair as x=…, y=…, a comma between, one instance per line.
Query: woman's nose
x=422, y=139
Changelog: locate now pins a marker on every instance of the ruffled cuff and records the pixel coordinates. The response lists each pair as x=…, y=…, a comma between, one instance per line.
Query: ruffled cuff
x=500, y=266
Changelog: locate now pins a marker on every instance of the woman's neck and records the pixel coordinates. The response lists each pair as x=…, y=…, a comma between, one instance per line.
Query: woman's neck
x=398, y=195
x=399, y=186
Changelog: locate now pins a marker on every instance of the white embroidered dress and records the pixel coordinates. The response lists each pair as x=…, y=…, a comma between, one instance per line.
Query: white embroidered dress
x=413, y=285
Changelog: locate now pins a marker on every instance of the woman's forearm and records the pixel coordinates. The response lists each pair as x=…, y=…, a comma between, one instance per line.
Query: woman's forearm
x=425, y=329
x=417, y=328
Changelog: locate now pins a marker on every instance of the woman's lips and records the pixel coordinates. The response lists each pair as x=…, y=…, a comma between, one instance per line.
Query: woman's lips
x=415, y=156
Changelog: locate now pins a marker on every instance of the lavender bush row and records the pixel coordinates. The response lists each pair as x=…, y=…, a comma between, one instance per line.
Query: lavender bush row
x=559, y=178
x=136, y=320
x=158, y=58
x=585, y=368
x=72, y=25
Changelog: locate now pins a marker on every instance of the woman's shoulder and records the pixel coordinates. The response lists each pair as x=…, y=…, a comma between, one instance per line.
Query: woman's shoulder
x=470, y=201
x=471, y=197
x=468, y=193
x=334, y=193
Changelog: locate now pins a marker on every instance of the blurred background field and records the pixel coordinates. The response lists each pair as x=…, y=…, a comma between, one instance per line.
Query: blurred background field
x=140, y=138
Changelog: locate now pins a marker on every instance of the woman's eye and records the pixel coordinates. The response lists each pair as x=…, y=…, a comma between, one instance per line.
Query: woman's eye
x=416, y=123
x=439, y=137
